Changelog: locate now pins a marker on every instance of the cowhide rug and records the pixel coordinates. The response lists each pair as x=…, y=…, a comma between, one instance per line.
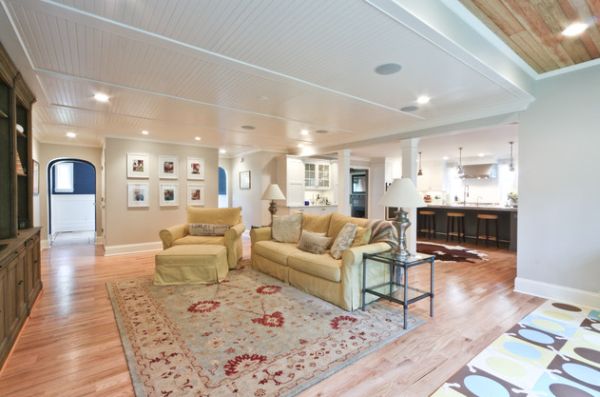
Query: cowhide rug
x=451, y=253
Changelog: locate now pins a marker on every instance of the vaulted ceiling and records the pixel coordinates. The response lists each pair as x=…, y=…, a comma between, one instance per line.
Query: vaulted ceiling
x=533, y=29
x=183, y=69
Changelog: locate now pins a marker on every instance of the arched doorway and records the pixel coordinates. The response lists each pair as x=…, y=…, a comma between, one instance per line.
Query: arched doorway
x=71, y=202
x=223, y=193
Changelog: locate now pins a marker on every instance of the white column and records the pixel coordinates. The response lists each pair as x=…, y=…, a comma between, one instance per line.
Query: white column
x=376, y=188
x=409, y=170
x=343, y=181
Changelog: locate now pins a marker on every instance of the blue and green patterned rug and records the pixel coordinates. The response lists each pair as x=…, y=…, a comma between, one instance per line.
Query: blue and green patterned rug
x=553, y=352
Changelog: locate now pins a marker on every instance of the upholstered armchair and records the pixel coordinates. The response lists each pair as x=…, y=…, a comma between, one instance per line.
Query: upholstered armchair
x=232, y=238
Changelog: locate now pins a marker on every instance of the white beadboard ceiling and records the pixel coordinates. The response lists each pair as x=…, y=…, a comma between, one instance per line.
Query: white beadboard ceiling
x=183, y=68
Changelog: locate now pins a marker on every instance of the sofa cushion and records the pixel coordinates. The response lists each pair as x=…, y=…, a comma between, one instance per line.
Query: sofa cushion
x=315, y=243
x=188, y=240
x=215, y=216
x=323, y=266
x=343, y=241
x=363, y=236
x=207, y=229
x=287, y=229
x=277, y=252
x=338, y=221
x=316, y=223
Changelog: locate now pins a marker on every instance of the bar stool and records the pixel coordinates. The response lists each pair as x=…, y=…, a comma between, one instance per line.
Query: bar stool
x=455, y=226
x=427, y=228
x=487, y=218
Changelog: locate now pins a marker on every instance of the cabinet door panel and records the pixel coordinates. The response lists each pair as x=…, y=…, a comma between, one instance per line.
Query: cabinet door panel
x=21, y=292
x=3, y=291
x=11, y=319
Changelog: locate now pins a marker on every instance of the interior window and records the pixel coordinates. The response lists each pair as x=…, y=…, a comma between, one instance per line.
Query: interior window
x=64, y=178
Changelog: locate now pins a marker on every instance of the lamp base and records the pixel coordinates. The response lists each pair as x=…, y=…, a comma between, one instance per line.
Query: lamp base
x=272, y=210
x=401, y=222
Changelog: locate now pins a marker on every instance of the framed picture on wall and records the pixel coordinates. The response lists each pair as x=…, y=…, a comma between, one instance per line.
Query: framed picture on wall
x=168, y=194
x=195, y=168
x=138, y=165
x=195, y=194
x=138, y=194
x=36, y=178
x=168, y=167
x=245, y=180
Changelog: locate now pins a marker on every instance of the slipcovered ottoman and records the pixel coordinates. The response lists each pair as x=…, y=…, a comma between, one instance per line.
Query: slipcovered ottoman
x=191, y=264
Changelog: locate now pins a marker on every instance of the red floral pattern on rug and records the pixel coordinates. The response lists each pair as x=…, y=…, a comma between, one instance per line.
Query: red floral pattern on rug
x=203, y=306
x=268, y=289
x=251, y=336
x=243, y=362
x=274, y=319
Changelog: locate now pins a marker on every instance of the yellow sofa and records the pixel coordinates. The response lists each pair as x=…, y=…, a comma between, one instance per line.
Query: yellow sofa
x=336, y=281
x=232, y=240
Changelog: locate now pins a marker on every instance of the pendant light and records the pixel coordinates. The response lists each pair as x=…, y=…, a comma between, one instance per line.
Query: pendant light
x=511, y=165
x=460, y=169
x=420, y=173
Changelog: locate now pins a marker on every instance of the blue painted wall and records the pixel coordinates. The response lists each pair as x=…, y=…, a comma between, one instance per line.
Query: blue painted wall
x=84, y=179
x=222, y=181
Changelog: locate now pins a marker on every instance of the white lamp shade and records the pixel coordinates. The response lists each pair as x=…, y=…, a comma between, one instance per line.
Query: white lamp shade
x=402, y=193
x=273, y=192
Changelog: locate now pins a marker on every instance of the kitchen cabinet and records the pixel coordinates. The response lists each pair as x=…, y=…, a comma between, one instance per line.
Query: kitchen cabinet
x=315, y=209
x=317, y=175
x=20, y=284
x=291, y=172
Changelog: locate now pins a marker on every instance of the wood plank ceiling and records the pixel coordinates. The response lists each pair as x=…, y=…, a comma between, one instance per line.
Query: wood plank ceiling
x=532, y=28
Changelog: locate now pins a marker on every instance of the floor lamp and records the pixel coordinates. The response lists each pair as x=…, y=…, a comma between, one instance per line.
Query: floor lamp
x=273, y=193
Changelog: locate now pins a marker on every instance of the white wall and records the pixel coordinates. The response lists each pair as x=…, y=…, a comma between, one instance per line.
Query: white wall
x=559, y=184
x=35, y=154
x=263, y=172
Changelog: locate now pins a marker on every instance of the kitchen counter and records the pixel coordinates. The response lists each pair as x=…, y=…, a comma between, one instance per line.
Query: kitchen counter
x=471, y=207
x=507, y=222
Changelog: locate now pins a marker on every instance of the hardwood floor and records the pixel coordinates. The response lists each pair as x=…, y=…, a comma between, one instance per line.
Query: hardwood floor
x=71, y=347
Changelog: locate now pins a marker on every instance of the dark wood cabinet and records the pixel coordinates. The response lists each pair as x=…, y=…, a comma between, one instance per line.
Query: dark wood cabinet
x=20, y=276
x=20, y=284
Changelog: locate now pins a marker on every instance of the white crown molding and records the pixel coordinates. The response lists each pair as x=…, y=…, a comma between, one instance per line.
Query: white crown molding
x=557, y=292
x=111, y=250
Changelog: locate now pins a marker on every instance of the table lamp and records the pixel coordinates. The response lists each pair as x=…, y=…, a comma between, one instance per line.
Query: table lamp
x=273, y=193
x=402, y=193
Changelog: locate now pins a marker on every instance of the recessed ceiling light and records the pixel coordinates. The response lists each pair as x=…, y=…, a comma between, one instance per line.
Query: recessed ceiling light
x=423, y=99
x=445, y=158
x=248, y=127
x=197, y=138
x=388, y=68
x=222, y=151
x=575, y=29
x=480, y=154
x=410, y=108
x=101, y=97
x=304, y=132
x=71, y=135
x=321, y=131
x=300, y=145
x=144, y=132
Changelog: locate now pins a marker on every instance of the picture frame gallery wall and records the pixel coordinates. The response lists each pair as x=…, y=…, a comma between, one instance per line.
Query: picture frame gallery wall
x=152, y=184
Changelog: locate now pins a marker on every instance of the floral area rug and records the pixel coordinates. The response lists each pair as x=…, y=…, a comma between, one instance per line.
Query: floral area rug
x=450, y=253
x=251, y=335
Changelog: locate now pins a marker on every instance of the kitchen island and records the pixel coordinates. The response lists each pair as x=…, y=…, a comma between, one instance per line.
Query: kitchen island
x=507, y=218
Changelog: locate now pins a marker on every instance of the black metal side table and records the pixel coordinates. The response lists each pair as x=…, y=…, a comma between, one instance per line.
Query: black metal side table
x=396, y=290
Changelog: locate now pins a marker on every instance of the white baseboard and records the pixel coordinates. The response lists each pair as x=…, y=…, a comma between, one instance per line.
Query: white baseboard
x=110, y=250
x=557, y=292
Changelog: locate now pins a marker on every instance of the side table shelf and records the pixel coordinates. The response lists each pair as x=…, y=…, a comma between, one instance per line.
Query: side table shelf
x=395, y=290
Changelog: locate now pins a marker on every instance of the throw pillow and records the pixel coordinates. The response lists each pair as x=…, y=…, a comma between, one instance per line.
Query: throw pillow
x=205, y=229
x=363, y=236
x=315, y=243
x=343, y=241
x=286, y=229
